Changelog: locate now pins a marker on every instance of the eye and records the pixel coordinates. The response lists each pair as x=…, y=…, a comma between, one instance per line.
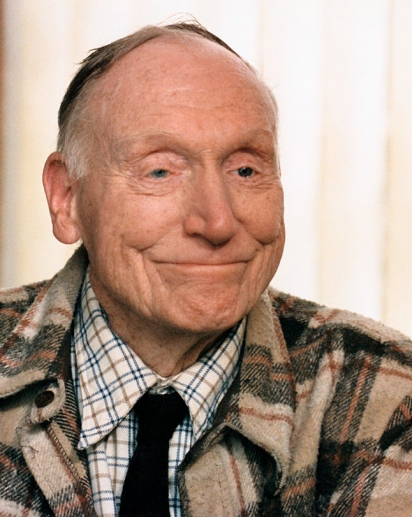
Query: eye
x=245, y=172
x=159, y=173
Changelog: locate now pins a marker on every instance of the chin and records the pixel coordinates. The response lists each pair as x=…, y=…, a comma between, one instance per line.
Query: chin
x=211, y=317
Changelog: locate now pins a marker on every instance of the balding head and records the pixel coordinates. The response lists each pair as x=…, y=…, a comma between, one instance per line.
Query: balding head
x=75, y=118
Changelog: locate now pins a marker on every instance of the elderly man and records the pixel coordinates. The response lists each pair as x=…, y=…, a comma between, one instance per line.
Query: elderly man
x=156, y=374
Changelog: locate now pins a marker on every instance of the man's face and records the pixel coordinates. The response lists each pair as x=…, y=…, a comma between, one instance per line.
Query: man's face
x=181, y=211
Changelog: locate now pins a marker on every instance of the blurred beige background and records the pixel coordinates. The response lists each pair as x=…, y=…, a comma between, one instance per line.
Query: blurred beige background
x=342, y=73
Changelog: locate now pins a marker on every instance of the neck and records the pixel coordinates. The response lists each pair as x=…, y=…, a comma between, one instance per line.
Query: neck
x=170, y=358
x=166, y=351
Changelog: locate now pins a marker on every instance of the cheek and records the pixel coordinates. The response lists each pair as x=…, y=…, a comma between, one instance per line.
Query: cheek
x=146, y=220
x=263, y=216
x=127, y=221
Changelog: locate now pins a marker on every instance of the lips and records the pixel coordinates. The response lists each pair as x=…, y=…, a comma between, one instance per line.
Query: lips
x=186, y=256
x=202, y=264
x=213, y=259
x=204, y=272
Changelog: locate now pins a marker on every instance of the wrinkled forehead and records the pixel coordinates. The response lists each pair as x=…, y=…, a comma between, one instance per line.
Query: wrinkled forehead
x=178, y=70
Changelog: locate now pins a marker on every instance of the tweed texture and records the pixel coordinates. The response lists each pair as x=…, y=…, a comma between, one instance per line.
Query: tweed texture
x=316, y=423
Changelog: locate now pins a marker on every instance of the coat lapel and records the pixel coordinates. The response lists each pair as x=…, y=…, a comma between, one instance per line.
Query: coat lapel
x=244, y=459
x=35, y=370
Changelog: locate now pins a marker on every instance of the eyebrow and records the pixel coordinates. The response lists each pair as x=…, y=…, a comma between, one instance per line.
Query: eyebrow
x=173, y=139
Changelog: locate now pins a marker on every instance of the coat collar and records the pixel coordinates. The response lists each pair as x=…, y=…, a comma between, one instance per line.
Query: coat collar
x=260, y=404
x=33, y=350
x=266, y=400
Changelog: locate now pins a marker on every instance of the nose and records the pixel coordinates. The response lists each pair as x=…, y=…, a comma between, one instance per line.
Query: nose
x=209, y=208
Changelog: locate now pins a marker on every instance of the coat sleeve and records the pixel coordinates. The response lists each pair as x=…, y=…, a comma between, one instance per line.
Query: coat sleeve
x=365, y=450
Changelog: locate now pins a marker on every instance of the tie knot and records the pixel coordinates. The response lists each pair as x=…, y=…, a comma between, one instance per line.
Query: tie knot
x=159, y=415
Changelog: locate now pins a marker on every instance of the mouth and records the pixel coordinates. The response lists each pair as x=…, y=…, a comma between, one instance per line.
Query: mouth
x=204, y=268
x=203, y=273
x=204, y=258
x=204, y=264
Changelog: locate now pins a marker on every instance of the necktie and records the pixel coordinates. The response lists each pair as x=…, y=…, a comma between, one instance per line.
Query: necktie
x=146, y=488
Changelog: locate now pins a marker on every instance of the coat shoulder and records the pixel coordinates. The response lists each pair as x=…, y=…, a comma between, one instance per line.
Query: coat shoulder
x=302, y=317
x=14, y=303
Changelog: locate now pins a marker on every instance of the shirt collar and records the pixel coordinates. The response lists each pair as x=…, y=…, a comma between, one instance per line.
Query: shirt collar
x=110, y=378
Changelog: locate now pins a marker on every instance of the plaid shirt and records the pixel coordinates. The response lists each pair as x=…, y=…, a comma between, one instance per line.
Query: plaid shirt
x=109, y=379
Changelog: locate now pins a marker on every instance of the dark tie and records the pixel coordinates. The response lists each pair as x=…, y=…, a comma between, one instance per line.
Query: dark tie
x=146, y=487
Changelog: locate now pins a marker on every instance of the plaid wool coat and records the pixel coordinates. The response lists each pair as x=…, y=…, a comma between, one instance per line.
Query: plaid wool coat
x=318, y=421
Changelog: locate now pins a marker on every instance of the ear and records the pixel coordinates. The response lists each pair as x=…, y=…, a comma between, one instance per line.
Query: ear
x=60, y=191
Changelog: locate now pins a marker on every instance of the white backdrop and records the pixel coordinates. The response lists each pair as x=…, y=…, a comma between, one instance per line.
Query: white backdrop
x=342, y=73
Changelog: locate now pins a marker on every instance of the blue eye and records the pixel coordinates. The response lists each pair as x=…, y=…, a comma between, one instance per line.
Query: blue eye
x=245, y=172
x=159, y=174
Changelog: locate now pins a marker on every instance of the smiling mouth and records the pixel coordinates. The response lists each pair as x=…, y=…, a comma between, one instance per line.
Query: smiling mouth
x=205, y=269
x=203, y=273
x=204, y=264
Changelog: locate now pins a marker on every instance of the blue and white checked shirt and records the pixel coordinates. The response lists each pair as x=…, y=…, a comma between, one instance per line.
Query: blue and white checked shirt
x=109, y=378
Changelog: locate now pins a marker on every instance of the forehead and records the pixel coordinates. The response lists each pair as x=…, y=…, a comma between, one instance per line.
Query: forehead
x=178, y=77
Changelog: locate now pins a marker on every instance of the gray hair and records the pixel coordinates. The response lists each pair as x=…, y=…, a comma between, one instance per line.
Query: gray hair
x=73, y=139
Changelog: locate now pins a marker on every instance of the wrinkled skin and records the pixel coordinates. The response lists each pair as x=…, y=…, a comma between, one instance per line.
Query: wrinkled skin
x=181, y=210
